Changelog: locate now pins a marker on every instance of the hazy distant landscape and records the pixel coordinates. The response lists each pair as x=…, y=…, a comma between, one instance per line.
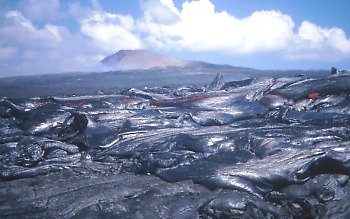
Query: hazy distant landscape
x=193, y=73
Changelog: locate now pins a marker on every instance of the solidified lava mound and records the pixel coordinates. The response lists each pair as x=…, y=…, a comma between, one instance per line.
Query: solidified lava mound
x=260, y=148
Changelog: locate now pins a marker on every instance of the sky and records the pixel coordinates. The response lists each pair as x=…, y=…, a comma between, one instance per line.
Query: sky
x=53, y=36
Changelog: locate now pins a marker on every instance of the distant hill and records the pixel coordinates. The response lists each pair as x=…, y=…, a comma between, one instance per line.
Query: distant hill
x=140, y=59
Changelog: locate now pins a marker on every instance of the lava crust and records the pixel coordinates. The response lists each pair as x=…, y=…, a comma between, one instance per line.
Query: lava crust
x=265, y=148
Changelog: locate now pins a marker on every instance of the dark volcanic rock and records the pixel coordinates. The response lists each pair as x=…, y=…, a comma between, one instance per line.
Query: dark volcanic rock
x=262, y=148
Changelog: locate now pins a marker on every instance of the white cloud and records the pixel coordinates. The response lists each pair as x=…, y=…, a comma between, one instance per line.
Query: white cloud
x=267, y=31
x=337, y=39
x=41, y=9
x=20, y=31
x=311, y=34
x=76, y=10
x=199, y=27
x=312, y=42
x=111, y=32
x=96, y=5
x=51, y=48
x=160, y=11
x=7, y=53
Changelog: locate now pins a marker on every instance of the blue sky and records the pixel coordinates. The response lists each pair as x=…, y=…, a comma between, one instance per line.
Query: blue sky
x=51, y=36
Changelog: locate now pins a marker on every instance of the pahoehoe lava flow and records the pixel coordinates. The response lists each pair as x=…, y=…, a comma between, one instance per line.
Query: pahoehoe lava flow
x=262, y=148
